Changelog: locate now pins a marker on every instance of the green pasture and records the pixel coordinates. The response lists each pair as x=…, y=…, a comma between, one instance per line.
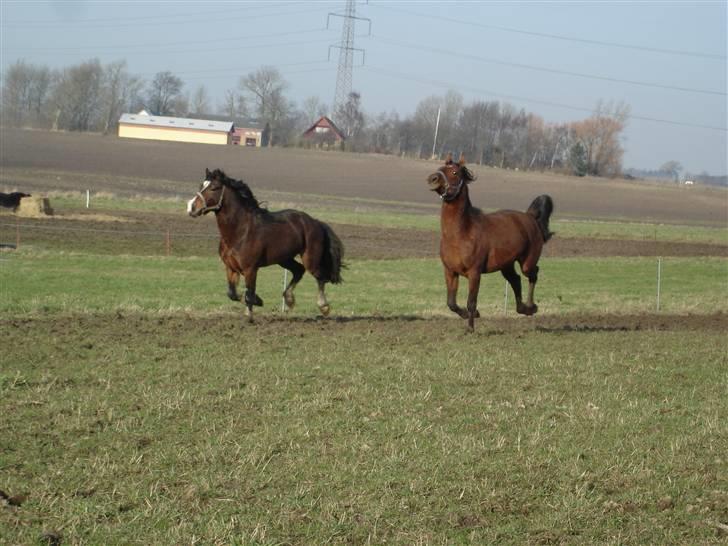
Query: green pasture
x=45, y=282
x=132, y=427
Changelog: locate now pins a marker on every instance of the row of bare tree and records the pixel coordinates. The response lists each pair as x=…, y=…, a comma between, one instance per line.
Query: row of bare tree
x=91, y=97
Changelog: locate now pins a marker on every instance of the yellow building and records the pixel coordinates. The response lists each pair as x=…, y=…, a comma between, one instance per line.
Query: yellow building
x=175, y=129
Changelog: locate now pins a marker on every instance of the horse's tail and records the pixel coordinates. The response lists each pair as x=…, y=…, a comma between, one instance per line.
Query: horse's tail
x=541, y=210
x=333, y=256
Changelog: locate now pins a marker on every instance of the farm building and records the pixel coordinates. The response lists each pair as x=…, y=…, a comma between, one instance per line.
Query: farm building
x=175, y=129
x=246, y=132
x=324, y=130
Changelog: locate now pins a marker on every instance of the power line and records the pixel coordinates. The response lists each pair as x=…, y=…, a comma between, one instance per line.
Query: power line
x=211, y=50
x=327, y=68
x=544, y=69
x=166, y=44
x=559, y=37
x=167, y=22
x=449, y=85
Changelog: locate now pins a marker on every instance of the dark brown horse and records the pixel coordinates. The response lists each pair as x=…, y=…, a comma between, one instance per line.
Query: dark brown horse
x=12, y=200
x=473, y=243
x=252, y=237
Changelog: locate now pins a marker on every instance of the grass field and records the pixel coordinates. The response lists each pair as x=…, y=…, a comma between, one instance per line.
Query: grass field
x=165, y=428
x=138, y=407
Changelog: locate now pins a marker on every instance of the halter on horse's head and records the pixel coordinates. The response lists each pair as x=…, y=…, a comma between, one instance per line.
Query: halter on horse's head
x=210, y=195
x=448, y=180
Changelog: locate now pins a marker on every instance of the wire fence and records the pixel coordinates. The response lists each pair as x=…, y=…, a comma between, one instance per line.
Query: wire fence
x=166, y=239
x=163, y=240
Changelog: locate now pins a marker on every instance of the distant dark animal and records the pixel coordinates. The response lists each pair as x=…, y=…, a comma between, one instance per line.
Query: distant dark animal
x=252, y=237
x=473, y=243
x=12, y=200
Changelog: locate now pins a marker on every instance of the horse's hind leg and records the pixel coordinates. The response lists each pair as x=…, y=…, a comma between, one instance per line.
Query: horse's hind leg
x=514, y=279
x=323, y=305
x=297, y=271
x=532, y=278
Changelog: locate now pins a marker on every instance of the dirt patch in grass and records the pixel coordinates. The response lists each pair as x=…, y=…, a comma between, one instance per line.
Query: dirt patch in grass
x=277, y=325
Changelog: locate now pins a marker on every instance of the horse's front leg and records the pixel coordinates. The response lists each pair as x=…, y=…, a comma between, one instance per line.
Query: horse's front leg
x=451, y=281
x=473, y=288
x=232, y=280
x=251, y=298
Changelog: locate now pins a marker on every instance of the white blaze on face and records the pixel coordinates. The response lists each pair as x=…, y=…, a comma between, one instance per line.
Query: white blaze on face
x=199, y=193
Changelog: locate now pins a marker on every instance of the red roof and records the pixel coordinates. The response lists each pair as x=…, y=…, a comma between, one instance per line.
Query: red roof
x=322, y=127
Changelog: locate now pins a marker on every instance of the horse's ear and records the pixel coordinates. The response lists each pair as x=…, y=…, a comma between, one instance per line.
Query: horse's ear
x=461, y=161
x=448, y=159
x=208, y=174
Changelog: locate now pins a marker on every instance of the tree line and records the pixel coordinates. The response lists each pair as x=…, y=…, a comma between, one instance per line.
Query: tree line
x=91, y=96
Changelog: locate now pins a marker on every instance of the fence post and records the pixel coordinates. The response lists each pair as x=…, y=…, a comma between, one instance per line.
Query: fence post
x=659, y=281
x=88, y=198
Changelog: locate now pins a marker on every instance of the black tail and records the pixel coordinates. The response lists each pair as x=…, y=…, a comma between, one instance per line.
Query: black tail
x=541, y=210
x=332, y=259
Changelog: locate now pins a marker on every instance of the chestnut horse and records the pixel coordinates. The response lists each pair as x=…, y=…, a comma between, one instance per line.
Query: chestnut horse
x=473, y=243
x=252, y=237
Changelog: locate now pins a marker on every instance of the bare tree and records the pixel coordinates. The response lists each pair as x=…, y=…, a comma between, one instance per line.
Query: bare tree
x=233, y=105
x=76, y=97
x=451, y=106
x=163, y=90
x=672, y=168
x=265, y=87
x=118, y=91
x=200, y=101
x=349, y=116
x=313, y=109
x=25, y=91
x=600, y=135
x=424, y=122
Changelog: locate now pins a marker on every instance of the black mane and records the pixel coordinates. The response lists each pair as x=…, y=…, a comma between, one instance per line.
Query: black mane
x=239, y=187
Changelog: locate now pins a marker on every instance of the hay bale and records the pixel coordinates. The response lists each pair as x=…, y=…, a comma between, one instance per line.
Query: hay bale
x=35, y=207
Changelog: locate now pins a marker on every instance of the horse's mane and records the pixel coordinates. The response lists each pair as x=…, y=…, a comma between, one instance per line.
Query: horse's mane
x=241, y=188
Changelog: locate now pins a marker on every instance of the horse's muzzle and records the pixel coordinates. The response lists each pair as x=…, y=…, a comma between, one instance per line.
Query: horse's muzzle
x=434, y=181
x=191, y=210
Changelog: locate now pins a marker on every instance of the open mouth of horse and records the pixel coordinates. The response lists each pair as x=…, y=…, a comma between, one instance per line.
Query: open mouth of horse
x=435, y=181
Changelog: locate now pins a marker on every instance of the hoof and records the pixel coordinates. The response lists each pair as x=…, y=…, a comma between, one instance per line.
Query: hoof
x=233, y=296
x=290, y=301
x=258, y=302
x=527, y=310
x=325, y=310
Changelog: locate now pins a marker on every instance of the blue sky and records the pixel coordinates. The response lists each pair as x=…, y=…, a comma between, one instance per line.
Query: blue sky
x=666, y=60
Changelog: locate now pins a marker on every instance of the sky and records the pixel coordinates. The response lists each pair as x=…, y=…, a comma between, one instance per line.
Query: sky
x=666, y=60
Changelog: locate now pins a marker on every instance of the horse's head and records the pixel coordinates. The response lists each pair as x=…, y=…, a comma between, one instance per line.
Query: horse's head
x=448, y=180
x=210, y=195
